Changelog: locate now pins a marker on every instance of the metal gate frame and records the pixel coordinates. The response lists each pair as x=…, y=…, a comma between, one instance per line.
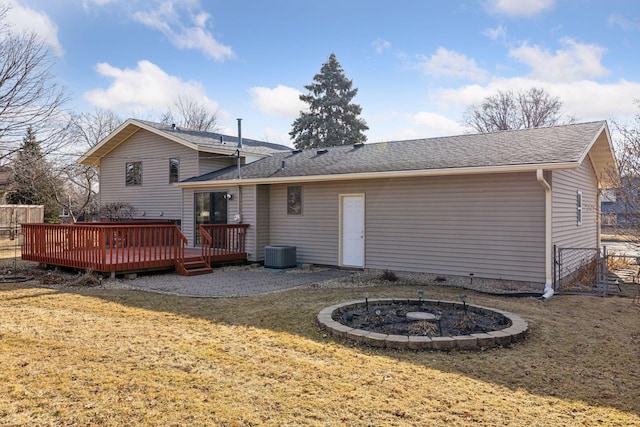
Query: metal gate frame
x=588, y=265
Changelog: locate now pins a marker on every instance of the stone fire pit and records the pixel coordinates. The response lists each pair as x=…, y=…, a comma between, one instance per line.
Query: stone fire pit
x=422, y=324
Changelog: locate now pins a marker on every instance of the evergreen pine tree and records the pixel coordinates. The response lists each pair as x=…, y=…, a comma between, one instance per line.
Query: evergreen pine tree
x=332, y=118
x=33, y=182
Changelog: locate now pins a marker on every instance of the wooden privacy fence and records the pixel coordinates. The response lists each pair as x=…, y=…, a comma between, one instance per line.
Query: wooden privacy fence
x=11, y=216
x=223, y=242
x=104, y=247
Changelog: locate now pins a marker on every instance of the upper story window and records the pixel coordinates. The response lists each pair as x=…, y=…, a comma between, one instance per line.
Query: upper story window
x=174, y=170
x=579, y=207
x=133, y=173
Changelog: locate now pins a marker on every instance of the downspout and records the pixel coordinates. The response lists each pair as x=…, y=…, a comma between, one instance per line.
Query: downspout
x=239, y=204
x=239, y=144
x=548, y=264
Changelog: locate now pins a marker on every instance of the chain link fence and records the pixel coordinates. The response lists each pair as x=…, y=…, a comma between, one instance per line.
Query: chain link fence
x=593, y=271
x=580, y=270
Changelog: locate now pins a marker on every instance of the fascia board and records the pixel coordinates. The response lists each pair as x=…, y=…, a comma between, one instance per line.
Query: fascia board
x=85, y=158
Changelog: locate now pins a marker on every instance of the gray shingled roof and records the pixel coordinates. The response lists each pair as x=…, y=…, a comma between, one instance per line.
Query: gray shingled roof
x=213, y=139
x=552, y=145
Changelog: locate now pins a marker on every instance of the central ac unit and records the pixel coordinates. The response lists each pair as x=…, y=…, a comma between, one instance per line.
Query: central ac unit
x=280, y=256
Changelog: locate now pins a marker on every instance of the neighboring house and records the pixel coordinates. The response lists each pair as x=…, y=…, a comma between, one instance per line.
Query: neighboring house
x=491, y=205
x=621, y=206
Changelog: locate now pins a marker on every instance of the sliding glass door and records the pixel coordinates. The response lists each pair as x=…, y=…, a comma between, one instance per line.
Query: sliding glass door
x=210, y=208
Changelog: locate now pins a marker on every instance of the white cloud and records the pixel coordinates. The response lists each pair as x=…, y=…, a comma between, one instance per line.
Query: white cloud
x=498, y=33
x=381, y=45
x=433, y=124
x=584, y=100
x=589, y=100
x=24, y=19
x=517, y=8
x=575, y=62
x=280, y=101
x=619, y=20
x=145, y=89
x=277, y=137
x=169, y=18
x=447, y=63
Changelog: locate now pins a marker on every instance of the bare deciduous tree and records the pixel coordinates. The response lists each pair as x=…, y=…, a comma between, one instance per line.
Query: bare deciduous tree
x=190, y=114
x=621, y=207
x=88, y=129
x=29, y=96
x=78, y=194
x=508, y=110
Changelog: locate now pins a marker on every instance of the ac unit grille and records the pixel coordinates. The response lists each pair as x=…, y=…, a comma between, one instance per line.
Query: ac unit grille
x=280, y=256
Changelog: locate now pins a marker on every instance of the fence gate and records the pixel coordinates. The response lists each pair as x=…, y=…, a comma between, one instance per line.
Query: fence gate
x=580, y=270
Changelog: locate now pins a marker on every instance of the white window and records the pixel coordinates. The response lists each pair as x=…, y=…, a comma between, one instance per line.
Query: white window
x=579, y=207
x=174, y=170
x=133, y=174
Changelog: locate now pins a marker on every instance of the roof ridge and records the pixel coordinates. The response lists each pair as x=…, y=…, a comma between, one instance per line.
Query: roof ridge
x=496, y=132
x=213, y=136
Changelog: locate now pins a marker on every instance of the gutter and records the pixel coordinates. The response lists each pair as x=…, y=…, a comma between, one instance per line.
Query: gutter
x=548, y=264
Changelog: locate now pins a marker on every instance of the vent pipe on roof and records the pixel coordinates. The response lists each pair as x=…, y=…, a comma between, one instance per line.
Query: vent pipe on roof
x=173, y=126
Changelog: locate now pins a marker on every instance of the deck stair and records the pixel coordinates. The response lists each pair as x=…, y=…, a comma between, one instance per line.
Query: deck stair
x=192, y=266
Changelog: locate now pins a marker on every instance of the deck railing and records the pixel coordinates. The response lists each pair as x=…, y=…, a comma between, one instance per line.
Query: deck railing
x=223, y=242
x=104, y=247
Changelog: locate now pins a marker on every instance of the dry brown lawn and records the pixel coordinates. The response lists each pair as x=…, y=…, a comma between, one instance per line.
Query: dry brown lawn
x=82, y=356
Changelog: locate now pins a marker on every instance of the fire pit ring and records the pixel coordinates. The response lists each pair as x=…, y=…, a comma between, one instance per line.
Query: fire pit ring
x=332, y=320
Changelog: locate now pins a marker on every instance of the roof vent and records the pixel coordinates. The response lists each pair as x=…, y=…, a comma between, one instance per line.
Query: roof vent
x=173, y=126
x=283, y=165
x=296, y=151
x=358, y=145
x=322, y=151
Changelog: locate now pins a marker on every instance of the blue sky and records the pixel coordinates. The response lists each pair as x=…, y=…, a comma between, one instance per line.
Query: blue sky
x=416, y=63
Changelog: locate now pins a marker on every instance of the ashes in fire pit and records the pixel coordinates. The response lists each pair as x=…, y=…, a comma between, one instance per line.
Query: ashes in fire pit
x=407, y=318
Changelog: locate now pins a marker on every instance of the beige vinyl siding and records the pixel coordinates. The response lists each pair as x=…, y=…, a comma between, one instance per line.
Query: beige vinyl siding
x=565, y=185
x=248, y=216
x=210, y=162
x=488, y=225
x=156, y=194
x=262, y=221
x=188, y=215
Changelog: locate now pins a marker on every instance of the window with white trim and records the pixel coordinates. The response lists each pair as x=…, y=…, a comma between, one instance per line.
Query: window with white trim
x=133, y=174
x=579, y=207
x=174, y=170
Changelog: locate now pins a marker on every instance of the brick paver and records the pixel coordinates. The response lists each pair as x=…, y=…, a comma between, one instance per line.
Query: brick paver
x=234, y=283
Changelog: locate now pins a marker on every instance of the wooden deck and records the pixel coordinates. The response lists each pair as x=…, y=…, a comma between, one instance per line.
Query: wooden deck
x=131, y=247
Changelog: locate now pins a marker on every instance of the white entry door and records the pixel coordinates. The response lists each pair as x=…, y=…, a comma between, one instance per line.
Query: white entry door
x=352, y=230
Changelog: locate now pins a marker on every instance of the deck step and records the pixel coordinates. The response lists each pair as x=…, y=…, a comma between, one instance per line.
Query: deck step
x=195, y=265
x=197, y=271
